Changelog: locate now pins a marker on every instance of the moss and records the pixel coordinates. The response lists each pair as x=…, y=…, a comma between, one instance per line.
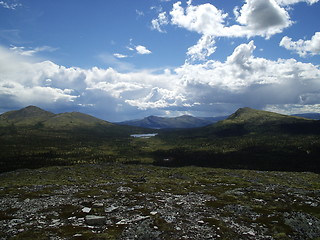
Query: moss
x=216, y=204
x=67, y=211
x=112, y=233
x=268, y=196
x=5, y=215
x=163, y=225
x=32, y=235
x=221, y=228
x=69, y=231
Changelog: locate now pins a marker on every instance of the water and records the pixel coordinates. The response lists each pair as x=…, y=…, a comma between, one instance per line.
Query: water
x=146, y=135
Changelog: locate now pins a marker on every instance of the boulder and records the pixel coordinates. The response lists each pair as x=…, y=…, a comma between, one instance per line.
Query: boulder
x=86, y=210
x=95, y=220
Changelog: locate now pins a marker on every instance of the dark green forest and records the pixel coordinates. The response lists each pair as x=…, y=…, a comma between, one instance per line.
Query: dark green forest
x=248, y=139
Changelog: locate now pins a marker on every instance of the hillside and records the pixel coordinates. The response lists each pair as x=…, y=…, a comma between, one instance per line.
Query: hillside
x=184, y=121
x=73, y=176
x=74, y=119
x=248, y=120
x=32, y=138
x=34, y=116
x=259, y=117
x=247, y=139
x=126, y=202
x=30, y=115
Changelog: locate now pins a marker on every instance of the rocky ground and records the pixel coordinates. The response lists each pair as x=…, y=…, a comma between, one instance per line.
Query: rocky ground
x=115, y=201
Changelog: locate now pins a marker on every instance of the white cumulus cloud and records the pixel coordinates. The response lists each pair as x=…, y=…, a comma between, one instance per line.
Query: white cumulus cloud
x=13, y=5
x=160, y=21
x=289, y=2
x=203, y=49
x=204, y=19
x=207, y=88
x=303, y=47
x=119, y=55
x=142, y=50
x=255, y=18
x=31, y=51
x=262, y=18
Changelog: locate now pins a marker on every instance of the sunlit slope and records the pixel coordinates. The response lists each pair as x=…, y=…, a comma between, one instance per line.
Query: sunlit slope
x=30, y=115
x=258, y=117
x=155, y=122
x=74, y=119
x=248, y=120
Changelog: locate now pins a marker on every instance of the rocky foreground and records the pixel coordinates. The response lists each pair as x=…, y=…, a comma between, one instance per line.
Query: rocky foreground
x=115, y=201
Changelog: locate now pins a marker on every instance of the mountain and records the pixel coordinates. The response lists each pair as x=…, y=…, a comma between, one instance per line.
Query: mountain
x=249, y=138
x=314, y=116
x=34, y=116
x=74, y=119
x=257, y=117
x=247, y=120
x=214, y=119
x=184, y=121
x=26, y=116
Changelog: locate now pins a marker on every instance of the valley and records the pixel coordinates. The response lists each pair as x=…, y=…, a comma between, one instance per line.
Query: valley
x=254, y=175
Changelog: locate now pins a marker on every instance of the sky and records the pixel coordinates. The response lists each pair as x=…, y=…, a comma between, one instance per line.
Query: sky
x=128, y=59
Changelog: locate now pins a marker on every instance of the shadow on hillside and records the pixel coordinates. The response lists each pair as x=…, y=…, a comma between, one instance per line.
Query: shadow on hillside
x=253, y=158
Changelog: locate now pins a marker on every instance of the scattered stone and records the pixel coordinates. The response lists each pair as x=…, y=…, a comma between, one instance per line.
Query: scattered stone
x=54, y=221
x=143, y=230
x=210, y=210
x=153, y=213
x=111, y=209
x=95, y=220
x=140, y=218
x=98, y=205
x=123, y=222
x=86, y=209
x=136, y=219
x=124, y=189
x=305, y=225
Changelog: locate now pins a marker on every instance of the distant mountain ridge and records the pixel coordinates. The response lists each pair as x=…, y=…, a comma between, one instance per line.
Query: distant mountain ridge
x=253, y=116
x=248, y=138
x=184, y=121
x=314, y=116
x=25, y=116
x=247, y=120
x=247, y=117
x=32, y=116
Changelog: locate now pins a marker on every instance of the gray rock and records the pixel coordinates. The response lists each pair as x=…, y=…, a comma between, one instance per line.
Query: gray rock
x=124, y=189
x=97, y=205
x=141, y=231
x=95, y=220
x=111, y=209
x=304, y=224
x=86, y=210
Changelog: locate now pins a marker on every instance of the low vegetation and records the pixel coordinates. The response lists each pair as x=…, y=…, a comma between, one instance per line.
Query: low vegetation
x=149, y=202
x=254, y=175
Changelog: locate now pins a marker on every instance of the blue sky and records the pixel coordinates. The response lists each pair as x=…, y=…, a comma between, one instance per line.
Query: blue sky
x=128, y=59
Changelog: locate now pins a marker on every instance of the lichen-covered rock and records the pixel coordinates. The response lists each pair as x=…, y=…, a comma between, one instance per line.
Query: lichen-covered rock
x=95, y=220
x=206, y=204
x=304, y=225
x=141, y=231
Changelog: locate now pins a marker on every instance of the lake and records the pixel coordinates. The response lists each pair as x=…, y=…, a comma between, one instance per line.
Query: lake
x=145, y=135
